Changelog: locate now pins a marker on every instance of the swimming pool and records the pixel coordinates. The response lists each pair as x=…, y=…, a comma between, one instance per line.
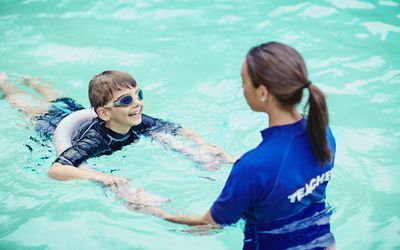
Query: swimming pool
x=187, y=55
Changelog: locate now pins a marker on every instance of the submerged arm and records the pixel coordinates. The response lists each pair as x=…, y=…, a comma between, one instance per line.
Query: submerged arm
x=207, y=154
x=207, y=150
x=191, y=220
x=192, y=135
x=183, y=140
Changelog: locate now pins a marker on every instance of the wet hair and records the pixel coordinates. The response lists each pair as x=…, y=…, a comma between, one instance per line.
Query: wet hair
x=282, y=70
x=103, y=86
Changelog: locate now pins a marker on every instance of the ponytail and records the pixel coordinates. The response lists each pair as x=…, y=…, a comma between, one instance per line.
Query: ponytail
x=317, y=124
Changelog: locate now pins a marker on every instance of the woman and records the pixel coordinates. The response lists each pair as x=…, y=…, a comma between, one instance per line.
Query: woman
x=279, y=187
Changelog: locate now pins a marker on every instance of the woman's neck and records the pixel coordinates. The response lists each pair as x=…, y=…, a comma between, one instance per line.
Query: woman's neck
x=279, y=117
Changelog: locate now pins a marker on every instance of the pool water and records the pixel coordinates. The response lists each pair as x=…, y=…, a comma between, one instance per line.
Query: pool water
x=186, y=55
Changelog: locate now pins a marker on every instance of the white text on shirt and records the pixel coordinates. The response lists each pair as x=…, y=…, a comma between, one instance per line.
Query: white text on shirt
x=309, y=187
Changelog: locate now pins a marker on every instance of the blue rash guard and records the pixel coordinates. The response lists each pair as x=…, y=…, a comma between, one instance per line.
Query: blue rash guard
x=278, y=183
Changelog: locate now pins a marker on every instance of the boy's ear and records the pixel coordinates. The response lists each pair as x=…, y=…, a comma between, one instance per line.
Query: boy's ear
x=103, y=114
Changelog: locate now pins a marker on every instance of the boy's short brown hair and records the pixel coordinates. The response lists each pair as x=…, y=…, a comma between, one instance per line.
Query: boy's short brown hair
x=103, y=86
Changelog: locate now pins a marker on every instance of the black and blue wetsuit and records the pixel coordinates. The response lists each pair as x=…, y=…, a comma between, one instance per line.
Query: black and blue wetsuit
x=46, y=124
x=92, y=138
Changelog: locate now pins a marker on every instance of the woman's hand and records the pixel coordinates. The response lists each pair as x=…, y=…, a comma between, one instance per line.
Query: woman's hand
x=214, y=155
x=111, y=180
x=139, y=197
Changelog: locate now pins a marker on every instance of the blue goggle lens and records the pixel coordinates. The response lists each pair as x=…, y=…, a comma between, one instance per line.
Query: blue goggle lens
x=127, y=100
x=140, y=94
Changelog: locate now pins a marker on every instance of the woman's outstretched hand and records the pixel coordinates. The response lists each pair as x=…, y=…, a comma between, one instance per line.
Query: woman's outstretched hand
x=213, y=153
x=209, y=156
x=138, y=198
x=111, y=180
x=212, y=156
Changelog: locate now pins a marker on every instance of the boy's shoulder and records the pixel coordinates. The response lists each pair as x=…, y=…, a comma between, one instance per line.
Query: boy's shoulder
x=92, y=129
x=89, y=141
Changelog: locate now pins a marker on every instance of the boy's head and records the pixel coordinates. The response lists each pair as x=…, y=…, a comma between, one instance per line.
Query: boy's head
x=103, y=86
x=106, y=92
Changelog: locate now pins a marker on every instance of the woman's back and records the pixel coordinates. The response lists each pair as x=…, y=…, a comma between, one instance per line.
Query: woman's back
x=298, y=178
x=277, y=179
x=290, y=210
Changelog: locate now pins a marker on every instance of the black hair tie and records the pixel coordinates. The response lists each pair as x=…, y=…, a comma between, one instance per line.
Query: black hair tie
x=307, y=84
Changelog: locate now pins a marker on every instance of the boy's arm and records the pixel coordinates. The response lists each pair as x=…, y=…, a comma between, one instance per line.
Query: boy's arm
x=66, y=165
x=63, y=172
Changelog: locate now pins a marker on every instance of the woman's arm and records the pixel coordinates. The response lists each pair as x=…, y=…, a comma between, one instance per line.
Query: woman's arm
x=190, y=220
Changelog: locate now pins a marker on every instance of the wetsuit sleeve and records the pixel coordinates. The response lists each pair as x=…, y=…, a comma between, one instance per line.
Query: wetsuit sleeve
x=90, y=145
x=238, y=195
x=150, y=124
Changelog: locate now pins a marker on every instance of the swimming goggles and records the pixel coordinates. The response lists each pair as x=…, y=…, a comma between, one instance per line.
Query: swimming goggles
x=125, y=100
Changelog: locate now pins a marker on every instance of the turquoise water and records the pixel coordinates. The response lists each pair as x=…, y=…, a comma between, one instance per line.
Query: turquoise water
x=187, y=55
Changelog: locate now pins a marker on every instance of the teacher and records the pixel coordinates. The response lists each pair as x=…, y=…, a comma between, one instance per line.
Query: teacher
x=279, y=187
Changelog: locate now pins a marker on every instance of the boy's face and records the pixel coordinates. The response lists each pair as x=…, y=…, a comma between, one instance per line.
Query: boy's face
x=121, y=119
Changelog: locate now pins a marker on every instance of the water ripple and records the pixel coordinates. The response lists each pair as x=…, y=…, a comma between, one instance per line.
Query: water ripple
x=352, y=4
x=59, y=53
x=318, y=11
x=381, y=28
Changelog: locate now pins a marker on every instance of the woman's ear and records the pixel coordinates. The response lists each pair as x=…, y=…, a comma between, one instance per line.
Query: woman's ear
x=263, y=93
x=103, y=114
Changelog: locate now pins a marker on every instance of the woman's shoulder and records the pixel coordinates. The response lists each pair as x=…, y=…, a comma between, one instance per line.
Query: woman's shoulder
x=259, y=158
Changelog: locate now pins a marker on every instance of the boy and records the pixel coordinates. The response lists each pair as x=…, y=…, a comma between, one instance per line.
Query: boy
x=118, y=103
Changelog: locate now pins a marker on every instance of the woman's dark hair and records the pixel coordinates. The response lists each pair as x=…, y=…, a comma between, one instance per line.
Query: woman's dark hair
x=281, y=69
